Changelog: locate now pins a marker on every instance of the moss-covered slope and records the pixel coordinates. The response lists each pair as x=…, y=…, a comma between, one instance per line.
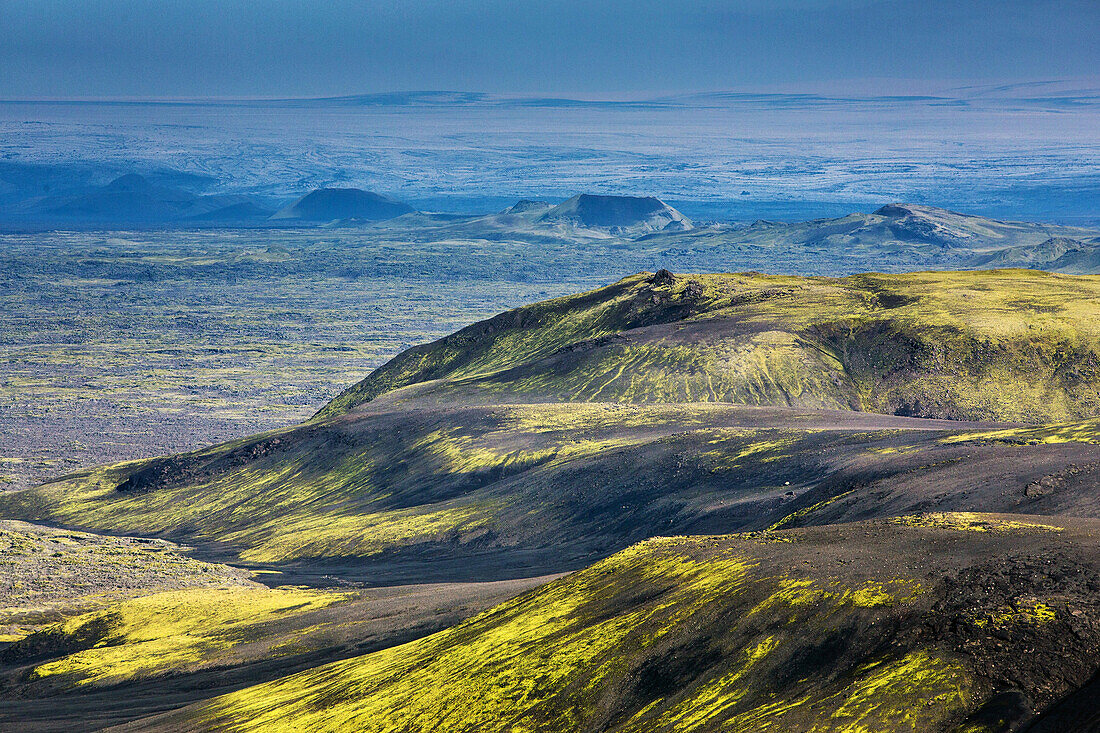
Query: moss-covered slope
x=161, y=650
x=485, y=492
x=1003, y=345
x=555, y=434
x=863, y=589
x=409, y=493
x=804, y=630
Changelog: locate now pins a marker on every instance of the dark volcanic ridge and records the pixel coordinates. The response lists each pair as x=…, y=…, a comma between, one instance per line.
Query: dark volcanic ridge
x=619, y=214
x=342, y=204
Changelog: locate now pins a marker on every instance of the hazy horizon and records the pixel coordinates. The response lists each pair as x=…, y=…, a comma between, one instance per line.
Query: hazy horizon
x=1009, y=153
x=742, y=109
x=845, y=89
x=291, y=48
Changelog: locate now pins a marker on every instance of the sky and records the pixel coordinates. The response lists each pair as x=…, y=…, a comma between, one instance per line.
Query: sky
x=305, y=48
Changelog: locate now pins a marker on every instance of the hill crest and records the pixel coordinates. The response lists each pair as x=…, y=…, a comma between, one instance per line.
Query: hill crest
x=619, y=214
x=331, y=204
x=958, y=345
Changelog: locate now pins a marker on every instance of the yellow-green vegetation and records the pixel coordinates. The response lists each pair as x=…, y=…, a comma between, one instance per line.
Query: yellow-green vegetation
x=429, y=462
x=1080, y=431
x=1005, y=345
x=972, y=522
x=671, y=634
x=1024, y=611
x=291, y=500
x=871, y=702
x=761, y=451
x=355, y=535
x=771, y=368
x=280, y=500
x=502, y=476
x=313, y=493
x=46, y=573
x=159, y=342
x=178, y=631
x=398, y=479
x=508, y=339
x=799, y=513
x=589, y=418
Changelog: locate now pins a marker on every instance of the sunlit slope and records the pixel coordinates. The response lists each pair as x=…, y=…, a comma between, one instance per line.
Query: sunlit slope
x=516, y=490
x=975, y=621
x=173, y=631
x=555, y=434
x=560, y=480
x=1012, y=345
x=162, y=650
x=48, y=573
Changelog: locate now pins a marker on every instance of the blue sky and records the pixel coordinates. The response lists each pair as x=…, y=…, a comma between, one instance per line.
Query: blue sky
x=164, y=48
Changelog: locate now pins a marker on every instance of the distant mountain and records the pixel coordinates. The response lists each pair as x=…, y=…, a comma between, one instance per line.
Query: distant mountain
x=398, y=99
x=1054, y=94
x=133, y=198
x=1059, y=254
x=894, y=238
x=37, y=196
x=527, y=207
x=625, y=215
x=130, y=197
x=243, y=211
x=927, y=224
x=1081, y=261
x=23, y=182
x=331, y=204
x=1038, y=255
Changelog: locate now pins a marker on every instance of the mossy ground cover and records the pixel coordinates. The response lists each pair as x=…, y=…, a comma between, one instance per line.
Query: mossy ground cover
x=123, y=345
x=568, y=482
x=717, y=634
x=1079, y=431
x=134, y=657
x=557, y=484
x=553, y=661
x=1010, y=345
x=972, y=522
x=418, y=471
x=46, y=573
x=177, y=631
x=550, y=437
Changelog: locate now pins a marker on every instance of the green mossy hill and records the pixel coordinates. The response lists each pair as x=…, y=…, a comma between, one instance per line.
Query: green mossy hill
x=136, y=657
x=1015, y=345
x=173, y=631
x=483, y=492
x=805, y=630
